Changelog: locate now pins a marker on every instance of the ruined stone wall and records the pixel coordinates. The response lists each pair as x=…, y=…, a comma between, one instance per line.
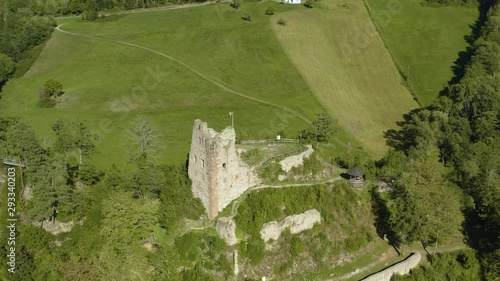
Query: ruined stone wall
x=217, y=172
x=402, y=268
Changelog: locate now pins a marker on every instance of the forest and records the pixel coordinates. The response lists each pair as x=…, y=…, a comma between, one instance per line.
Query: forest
x=460, y=131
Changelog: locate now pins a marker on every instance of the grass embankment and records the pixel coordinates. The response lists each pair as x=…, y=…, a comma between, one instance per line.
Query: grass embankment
x=424, y=41
x=345, y=63
x=111, y=83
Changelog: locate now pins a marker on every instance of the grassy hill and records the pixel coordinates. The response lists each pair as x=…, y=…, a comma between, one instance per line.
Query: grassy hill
x=191, y=63
x=344, y=61
x=424, y=41
x=178, y=65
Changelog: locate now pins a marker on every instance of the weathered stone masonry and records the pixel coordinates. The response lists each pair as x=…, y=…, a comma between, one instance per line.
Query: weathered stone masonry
x=217, y=172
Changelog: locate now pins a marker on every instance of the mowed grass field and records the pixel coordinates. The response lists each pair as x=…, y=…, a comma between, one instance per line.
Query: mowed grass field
x=424, y=41
x=345, y=63
x=191, y=63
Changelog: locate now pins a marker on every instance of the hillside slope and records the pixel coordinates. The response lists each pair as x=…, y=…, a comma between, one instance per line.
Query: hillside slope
x=343, y=60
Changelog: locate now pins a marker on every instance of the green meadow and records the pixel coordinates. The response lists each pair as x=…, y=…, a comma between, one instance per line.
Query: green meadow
x=193, y=63
x=424, y=41
x=174, y=66
x=345, y=63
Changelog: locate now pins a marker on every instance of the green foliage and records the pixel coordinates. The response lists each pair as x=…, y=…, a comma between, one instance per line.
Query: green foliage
x=255, y=250
x=309, y=4
x=202, y=249
x=142, y=141
x=53, y=88
x=22, y=33
x=235, y=4
x=296, y=246
x=89, y=174
x=147, y=181
x=252, y=156
x=51, y=91
x=270, y=11
x=21, y=141
x=312, y=165
x=7, y=67
x=53, y=191
x=281, y=21
x=336, y=208
x=188, y=246
x=197, y=274
x=91, y=13
x=74, y=138
x=165, y=261
x=127, y=219
x=423, y=207
x=45, y=101
x=176, y=198
x=463, y=124
x=461, y=265
x=321, y=129
x=271, y=171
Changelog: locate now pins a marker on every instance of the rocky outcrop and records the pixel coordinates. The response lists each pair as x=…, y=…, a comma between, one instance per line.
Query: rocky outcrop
x=296, y=224
x=226, y=228
x=402, y=268
x=296, y=160
x=58, y=227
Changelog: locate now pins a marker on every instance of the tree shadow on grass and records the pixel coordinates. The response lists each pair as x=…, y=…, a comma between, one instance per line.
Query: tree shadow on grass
x=404, y=137
x=381, y=214
x=464, y=57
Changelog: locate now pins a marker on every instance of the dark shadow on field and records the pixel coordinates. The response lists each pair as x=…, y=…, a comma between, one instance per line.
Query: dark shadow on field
x=381, y=214
x=1, y=88
x=404, y=137
x=464, y=57
x=345, y=176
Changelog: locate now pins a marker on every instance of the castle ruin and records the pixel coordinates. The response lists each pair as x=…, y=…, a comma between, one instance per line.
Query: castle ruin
x=217, y=173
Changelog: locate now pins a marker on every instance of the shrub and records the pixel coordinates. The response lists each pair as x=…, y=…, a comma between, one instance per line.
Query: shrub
x=270, y=11
x=235, y=4
x=255, y=250
x=52, y=90
x=90, y=175
x=7, y=67
x=308, y=4
x=45, y=101
x=296, y=246
x=247, y=17
x=321, y=129
x=281, y=21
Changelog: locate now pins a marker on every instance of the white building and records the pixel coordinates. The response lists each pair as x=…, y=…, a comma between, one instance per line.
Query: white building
x=291, y=1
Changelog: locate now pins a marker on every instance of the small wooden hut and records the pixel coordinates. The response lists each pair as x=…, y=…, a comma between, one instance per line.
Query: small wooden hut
x=356, y=177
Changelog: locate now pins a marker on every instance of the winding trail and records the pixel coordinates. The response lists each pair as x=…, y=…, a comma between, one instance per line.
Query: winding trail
x=188, y=67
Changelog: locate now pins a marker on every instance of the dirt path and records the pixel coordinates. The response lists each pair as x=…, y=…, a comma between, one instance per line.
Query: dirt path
x=188, y=67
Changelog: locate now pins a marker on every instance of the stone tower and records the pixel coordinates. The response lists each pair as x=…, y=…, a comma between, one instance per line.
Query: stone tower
x=217, y=173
